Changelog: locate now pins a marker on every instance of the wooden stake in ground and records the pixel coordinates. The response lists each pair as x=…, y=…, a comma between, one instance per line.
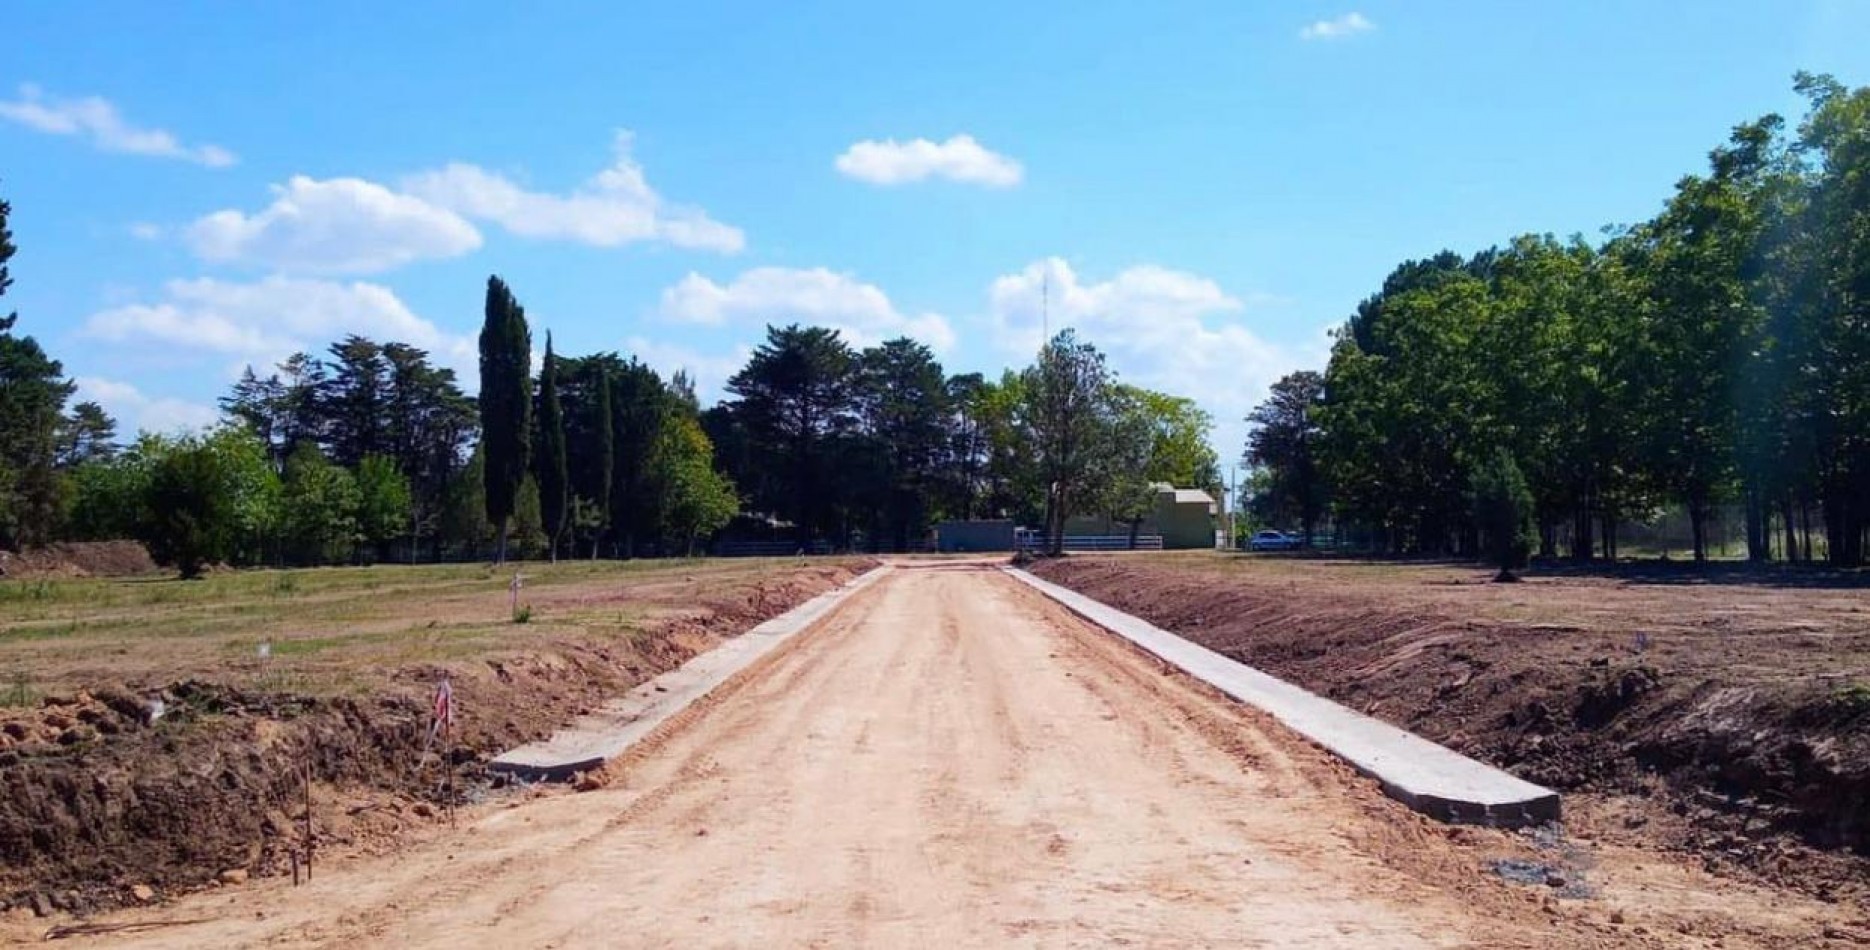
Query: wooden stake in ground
x=308, y=821
x=442, y=711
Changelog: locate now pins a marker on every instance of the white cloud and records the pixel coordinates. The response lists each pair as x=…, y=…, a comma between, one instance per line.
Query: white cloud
x=710, y=371
x=96, y=119
x=614, y=208
x=265, y=321
x=1338, y=27
x=334, y=226
x=136, y=411
x=959, y=159
x=1164, y=329
x=818, y=296
x=146, y=231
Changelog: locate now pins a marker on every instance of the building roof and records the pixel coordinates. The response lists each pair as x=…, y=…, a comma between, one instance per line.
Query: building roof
x=1184, y=496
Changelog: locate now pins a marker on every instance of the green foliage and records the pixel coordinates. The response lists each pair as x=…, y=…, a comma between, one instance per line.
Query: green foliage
x=505, y=405
x=1283, y=445
x=1503, y=510
x=1714, y=353
x=640, y=404
x=87, y=434
x=321, y=503
x=1070, y=420
x=463, y=516
x=549, y=454
x=32, y=402
x=528, y=529
x=696, y=499
x=585, y=395
x=383, y=500
x=190, y=506
x=901, y=400
x=793, y=402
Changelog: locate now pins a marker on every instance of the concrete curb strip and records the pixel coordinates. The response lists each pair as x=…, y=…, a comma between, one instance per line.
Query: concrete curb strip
x=603, y=735
x=1429, y=778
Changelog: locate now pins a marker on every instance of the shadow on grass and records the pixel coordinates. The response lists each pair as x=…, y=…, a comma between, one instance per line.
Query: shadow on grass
x=1634, y=571
x=1712, y=573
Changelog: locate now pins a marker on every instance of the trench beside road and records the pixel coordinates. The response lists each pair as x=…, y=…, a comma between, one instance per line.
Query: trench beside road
x=949, y=759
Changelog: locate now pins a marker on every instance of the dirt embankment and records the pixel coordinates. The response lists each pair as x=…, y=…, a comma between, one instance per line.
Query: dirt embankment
x=103, y=802
x=1713, y=720
x=78, y=559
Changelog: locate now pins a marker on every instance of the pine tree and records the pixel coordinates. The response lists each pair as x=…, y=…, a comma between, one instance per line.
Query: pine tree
x=549, y=454
x=604, y=457
x=505, y=404
x=33, y=392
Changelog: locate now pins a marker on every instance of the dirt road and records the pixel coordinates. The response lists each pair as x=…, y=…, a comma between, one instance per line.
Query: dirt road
x=949, y=760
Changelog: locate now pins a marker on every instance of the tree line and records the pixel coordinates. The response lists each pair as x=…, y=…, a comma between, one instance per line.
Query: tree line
x=1716, y=356
x=373, y=450
x=871, y=448
x=370, y=452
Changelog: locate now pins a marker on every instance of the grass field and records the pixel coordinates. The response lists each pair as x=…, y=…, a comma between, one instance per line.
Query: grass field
x=337, y=629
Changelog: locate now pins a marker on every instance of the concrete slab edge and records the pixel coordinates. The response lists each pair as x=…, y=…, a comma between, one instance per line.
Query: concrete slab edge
x=610, y=733
x=1428, y=777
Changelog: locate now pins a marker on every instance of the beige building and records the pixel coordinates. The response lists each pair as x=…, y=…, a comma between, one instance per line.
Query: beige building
x=1186, y=518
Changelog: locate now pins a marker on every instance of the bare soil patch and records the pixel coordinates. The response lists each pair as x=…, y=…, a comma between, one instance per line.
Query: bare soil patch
x=78, y=559
x=103, y=803
x=951, y=760
x=1723, y=717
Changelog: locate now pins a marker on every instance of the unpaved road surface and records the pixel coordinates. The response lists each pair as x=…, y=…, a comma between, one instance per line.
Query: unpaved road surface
x=948, y=760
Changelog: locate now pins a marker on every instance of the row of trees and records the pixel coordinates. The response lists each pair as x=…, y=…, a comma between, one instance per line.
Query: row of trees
x=610, y=450
x=373, y=448
x=1715, y=355
x=371, y=451
x=871, y=447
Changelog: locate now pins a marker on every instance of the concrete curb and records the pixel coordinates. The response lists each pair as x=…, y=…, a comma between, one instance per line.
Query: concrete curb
x=1429, y=778
x=603, y=735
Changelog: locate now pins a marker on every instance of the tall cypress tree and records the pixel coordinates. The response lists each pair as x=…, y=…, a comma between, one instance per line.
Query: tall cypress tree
x=549, y=454
x=505, y=404
x=604, y=450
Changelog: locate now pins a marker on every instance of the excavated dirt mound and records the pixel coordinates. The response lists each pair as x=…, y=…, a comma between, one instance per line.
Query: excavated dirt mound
x=1745, y=745
x=124, y=794
x=78, y=559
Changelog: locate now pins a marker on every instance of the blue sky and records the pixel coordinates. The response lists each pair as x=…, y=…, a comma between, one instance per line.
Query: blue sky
x=1205, y=189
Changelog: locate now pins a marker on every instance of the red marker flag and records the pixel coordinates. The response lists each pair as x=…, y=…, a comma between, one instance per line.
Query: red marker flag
x=444, y=708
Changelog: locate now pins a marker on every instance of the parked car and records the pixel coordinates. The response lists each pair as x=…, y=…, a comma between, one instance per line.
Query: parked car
x=1272, y=541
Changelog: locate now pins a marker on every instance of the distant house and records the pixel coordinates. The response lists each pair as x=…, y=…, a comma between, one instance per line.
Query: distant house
x=1186, y=518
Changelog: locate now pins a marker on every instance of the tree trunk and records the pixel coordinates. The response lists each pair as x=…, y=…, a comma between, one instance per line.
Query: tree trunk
x=1698, y=528
x=499, y=551
x=1758, y=547
x=1582, y=547
x=1055, y=527
x=1805, y=524
x=1790, y=529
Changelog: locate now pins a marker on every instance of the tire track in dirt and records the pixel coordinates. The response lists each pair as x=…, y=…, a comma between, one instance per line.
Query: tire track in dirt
x=934, y=764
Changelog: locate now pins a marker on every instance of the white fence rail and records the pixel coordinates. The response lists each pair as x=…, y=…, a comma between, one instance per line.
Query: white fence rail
x=1093, y=542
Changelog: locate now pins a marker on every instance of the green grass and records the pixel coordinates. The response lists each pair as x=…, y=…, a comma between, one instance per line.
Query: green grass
x=18, y=691
x=1854, y=697
x=335, y=629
